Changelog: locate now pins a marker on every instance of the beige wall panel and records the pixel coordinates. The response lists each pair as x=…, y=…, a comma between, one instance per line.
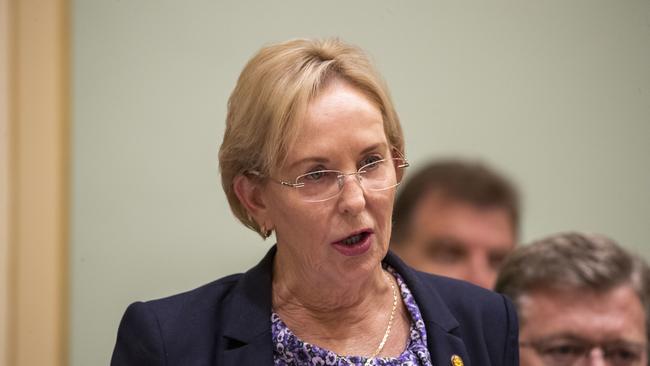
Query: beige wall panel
x=555, y=93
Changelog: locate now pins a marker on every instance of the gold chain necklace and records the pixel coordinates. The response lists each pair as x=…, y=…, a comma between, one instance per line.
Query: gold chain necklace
x=390, y=323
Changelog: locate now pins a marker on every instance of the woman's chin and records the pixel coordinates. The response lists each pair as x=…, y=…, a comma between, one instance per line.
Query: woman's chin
x=356, y=267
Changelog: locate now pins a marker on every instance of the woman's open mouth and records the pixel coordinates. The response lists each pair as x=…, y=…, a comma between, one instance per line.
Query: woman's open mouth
x=354, y=239
x=354, y=244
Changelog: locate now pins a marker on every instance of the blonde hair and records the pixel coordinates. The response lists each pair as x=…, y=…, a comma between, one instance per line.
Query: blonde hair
x=271, y=94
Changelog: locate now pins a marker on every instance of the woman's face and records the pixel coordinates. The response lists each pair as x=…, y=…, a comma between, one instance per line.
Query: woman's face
x=342, y=130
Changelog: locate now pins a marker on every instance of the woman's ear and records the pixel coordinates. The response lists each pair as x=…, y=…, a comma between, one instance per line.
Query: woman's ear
x=249, y=193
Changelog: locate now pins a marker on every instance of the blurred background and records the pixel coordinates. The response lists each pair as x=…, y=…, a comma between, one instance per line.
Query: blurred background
x=555, y=94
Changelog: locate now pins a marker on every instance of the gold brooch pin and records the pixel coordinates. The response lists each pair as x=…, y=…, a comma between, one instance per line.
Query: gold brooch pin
x=456, y=361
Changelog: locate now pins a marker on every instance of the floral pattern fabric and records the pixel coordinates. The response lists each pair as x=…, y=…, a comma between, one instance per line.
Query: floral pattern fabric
x=289, y=350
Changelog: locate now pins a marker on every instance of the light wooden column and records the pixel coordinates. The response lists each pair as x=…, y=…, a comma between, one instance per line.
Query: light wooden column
x=38, y=182
x=4, y=178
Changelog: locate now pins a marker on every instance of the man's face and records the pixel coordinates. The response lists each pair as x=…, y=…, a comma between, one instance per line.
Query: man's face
x=566, y=328
x=457, y=239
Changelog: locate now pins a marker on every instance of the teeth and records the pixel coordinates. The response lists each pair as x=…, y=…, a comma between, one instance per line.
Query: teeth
x=352, y=240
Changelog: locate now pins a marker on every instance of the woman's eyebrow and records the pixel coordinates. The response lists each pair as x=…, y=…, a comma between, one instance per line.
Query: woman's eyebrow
x=309, y=159
x=324, y=160
x=373, y=147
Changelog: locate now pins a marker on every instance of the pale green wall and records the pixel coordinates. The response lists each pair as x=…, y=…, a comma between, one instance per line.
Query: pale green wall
x=555, y=93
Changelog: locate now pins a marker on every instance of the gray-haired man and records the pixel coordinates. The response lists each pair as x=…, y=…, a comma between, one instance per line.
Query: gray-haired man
x=581, y=299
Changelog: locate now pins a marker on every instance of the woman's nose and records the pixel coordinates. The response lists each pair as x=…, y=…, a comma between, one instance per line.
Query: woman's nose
x=352, y=199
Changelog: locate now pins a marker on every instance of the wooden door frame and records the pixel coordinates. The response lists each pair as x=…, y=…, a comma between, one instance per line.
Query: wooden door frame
x=35, y=182
x=4, y=179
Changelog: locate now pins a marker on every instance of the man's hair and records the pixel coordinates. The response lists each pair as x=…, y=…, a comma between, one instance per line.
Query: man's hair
x=457, y=180
x=574, y=261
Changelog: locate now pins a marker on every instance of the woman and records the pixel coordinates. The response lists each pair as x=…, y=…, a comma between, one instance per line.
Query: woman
x=312, y=152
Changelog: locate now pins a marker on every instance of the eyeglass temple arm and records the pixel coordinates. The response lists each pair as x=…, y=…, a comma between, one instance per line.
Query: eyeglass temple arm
x=405, y=164
x=259, y=175
x=294, y=185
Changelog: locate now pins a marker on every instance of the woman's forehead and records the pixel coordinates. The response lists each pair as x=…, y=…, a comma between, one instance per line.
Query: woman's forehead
x=340, y=120
x=334, y=138
x=340, y=109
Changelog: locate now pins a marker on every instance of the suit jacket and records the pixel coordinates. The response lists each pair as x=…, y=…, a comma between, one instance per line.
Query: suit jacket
x=228, y=322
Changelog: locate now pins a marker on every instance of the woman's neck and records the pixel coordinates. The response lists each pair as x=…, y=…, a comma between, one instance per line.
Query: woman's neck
x=313, y=297
x=346, y=318
x=323, y=293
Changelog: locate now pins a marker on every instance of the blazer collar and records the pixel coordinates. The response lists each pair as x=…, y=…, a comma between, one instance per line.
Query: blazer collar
x=443, y=339
x=247, y=320
x=432, y=307
x=248, y=326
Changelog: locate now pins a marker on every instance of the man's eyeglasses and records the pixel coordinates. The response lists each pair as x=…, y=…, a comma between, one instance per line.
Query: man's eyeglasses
x=574, y=352
x=323, y=185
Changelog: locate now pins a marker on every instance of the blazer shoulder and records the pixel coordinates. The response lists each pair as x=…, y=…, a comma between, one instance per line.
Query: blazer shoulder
x=139, y=338
x=484, y=317
x=152, y=332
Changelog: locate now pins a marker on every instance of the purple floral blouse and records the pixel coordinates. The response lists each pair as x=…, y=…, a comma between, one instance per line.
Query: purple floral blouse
x=290, y=350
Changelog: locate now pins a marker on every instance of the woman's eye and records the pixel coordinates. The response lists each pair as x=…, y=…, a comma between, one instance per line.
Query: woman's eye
x=315, y=175
x=371, y=162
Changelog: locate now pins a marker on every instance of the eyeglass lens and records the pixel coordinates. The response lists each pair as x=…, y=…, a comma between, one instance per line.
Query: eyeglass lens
x=325, y=184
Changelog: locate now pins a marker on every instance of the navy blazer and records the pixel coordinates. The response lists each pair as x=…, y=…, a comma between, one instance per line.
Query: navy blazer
x=228, y=322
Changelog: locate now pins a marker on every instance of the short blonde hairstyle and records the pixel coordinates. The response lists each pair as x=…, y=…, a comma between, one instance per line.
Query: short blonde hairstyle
x=271, y=94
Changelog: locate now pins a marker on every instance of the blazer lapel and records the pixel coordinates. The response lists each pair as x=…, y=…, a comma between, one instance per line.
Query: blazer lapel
x=257, y=352
x=247, y=318
x=441, y=325
x=444, y=345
